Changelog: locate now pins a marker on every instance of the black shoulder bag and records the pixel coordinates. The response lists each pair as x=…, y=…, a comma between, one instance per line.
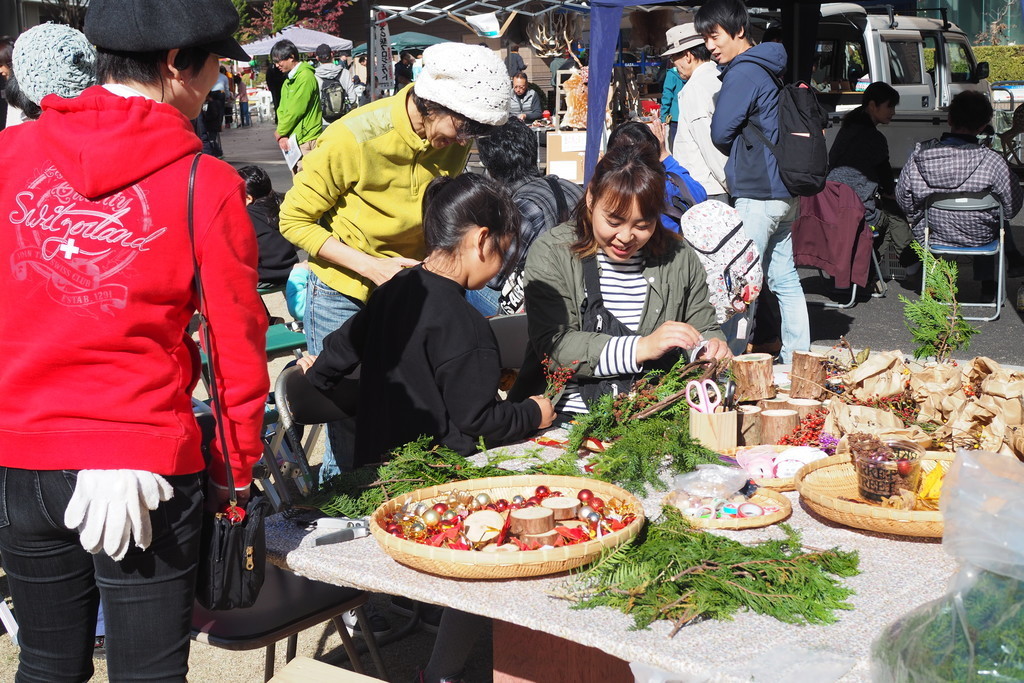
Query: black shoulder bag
x=233, y=549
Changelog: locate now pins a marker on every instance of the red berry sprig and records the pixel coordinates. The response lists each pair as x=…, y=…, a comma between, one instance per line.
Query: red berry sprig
x=557, y=376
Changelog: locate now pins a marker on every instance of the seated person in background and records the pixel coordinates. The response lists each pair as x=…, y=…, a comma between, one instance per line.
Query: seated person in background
x=425, y=353
x=681, y=190
x=860, y=158
x=956, y=163
x=524, y=103
x=276, y=254
x=510, y=156
x=614, y=291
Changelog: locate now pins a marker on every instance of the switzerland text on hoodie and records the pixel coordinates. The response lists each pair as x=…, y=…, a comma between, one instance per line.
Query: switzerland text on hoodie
x=98, y=291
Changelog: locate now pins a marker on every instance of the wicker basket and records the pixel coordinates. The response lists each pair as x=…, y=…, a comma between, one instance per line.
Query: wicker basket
x=829, y=488
x=468, y=564
x=763, y=497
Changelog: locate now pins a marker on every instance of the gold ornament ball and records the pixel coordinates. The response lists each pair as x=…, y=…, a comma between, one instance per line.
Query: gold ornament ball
x=431, y=517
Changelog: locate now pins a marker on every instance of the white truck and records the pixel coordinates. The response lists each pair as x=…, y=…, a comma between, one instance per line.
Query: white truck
x=927, y=60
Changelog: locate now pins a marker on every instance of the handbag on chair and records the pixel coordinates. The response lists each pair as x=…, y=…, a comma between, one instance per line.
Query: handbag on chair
x=232, y=554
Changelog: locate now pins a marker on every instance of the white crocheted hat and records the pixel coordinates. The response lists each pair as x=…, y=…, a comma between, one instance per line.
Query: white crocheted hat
x=471, y=80
x=53, y=58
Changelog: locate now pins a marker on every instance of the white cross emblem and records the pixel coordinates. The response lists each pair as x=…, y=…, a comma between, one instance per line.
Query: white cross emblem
x=69, y=248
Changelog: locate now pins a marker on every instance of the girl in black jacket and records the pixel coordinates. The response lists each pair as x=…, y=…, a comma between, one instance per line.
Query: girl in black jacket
x=276, y=254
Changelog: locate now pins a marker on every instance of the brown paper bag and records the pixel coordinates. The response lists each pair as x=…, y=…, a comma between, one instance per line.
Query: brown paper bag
x=938, y=390
x=844, y=418
x=882, y=374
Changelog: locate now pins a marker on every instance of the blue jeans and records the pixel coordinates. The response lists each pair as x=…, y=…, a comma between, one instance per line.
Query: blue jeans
x=484, y=300
x=326, y=311
x=57, y=586
x=769, y=224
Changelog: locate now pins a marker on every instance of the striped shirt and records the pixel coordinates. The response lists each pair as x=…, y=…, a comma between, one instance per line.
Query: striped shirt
x=624, y=290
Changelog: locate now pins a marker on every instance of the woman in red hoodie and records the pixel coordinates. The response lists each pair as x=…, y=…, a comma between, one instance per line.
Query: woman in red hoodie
x=100, y=464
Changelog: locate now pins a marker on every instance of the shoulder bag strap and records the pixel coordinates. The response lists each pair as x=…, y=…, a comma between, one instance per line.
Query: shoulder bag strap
x=204, y=335
x=559, y=193
x=750, y=124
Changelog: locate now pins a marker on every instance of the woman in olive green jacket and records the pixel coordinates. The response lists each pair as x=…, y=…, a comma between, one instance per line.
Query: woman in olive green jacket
x=653, y=293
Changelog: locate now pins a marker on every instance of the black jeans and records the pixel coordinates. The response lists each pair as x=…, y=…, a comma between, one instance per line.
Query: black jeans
x=56, y=585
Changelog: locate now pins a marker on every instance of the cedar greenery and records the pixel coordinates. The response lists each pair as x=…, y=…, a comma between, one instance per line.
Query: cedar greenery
x=680, y=574
x=935, y=321
x=964, y=638
x=641, y=449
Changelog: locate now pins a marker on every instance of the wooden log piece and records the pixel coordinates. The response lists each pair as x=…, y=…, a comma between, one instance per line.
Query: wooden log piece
x=754, y=377
x=717, y=431
x=562, y=507
x=749, y=425
x=776, y=424
x=546, y=538
x=777, y=403
x=807, y=378
x=803, y=406
x=535, y=520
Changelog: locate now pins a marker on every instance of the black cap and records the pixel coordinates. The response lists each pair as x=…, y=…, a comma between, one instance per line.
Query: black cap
x=152, y=25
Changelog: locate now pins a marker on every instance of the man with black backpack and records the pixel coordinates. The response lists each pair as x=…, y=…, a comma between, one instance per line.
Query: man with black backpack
x=748, y=104
x=337, y=91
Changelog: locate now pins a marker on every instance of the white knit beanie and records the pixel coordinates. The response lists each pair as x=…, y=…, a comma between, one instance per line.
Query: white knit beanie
x=53, y=58
x=471, y=80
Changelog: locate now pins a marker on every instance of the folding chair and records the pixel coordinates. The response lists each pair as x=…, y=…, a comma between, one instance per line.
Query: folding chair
x=288, y=604
x=970, y=202
x=300, y=404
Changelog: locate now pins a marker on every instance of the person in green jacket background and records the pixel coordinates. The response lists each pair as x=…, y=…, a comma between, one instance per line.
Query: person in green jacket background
x=614, y=294
x=670, y=100
x=299, y=113
x=356, y=206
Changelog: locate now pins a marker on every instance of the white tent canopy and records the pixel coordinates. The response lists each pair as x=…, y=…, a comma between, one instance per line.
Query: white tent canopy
x=306, y=39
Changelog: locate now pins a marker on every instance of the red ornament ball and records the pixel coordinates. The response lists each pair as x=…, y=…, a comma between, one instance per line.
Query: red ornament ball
x=596, y=503
x=533, y=500
x=440, y=508
x=584, y=496
x=501, y=505
x=393, y=529
x=542, y=492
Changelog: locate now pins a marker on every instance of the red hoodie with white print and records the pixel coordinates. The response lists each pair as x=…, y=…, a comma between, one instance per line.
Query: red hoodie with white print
x=95, y=360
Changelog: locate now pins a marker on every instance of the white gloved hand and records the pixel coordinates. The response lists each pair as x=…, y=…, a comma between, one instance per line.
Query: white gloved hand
x=107, y=509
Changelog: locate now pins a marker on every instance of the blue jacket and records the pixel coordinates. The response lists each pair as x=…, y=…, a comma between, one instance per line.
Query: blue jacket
x=671, y=190
x=750, y=95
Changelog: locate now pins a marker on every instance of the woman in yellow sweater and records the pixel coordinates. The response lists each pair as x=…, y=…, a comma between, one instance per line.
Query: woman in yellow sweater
x=356, y=205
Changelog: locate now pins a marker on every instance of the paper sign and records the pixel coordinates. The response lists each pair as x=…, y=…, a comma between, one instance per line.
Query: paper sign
x=293, y=153
x=574, y=142
x=564, y=169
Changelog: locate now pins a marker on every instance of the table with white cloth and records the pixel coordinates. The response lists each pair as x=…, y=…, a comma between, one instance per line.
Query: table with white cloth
x=897, y=574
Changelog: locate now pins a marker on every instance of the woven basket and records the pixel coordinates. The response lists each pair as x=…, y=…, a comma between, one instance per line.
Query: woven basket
x=829, y=488
x=762, y=497
x=469, y=564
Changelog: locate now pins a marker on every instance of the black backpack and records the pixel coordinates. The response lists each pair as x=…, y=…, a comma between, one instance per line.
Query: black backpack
x=801, y=152
x=333, y=100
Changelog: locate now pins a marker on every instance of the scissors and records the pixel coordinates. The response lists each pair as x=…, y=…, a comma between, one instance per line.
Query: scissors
x=704, y=402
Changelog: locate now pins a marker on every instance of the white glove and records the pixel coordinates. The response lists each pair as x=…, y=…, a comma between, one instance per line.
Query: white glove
x=107, y=508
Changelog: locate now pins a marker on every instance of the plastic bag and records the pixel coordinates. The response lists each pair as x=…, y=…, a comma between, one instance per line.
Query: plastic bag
x=712, y=481
x=976, y=631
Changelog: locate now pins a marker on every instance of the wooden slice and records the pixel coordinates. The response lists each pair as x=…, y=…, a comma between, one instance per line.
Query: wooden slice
x=776, y=424
x=535, y=520
x=749, y=425
x=807, y=378
x=754, y=377
x=562, y=507
x=547, y=538
x=483, y=525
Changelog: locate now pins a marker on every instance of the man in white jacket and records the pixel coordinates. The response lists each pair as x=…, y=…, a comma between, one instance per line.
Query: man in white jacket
x=692, y=146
